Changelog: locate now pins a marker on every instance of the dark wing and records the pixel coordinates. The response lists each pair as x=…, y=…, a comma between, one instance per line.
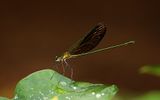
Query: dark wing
x=89, y=41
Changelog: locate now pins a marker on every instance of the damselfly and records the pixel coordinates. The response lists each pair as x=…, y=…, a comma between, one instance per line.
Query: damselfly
x=86, y=44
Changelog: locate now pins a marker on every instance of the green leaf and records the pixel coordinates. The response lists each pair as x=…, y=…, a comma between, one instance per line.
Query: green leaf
x=40, y=86
x=154, y=95
x=2, y=98
x=153, y=70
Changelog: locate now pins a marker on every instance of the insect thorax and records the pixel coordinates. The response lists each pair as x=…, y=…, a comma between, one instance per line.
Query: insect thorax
x=66, y=55
x=63, y=57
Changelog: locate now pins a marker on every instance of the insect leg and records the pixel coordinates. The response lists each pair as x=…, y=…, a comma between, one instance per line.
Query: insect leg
x=63, y=68
x=54, y=65
x=71, y=72
x=68, y=66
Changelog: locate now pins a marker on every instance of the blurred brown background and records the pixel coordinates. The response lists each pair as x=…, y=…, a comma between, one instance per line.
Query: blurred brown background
x=32, y=33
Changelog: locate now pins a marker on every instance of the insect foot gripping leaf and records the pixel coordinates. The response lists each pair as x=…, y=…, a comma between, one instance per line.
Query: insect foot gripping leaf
x=39, y=86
